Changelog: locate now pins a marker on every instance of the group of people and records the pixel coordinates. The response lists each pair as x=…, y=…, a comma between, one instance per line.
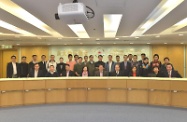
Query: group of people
x=86, y=66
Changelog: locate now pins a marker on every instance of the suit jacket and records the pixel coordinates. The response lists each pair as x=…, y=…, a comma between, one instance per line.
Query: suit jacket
x=117, y=75
x=40, y=73
x=60, y=68
x=174, y=73
x=43, y=67
x=105, y=73
x=112, y=66
x=91, y=68
x=127, y=70
x=71, y=74
x=10, y=70
x=24, y=69
x=55, y=74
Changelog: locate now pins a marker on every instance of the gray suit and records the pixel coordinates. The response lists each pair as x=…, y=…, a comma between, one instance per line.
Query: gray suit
x=105, y=73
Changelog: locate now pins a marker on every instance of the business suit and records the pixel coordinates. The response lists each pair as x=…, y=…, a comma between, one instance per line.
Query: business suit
x=24, y=69
x=91, y=68
x=10, y=70
x=112, y=67
x=54, y=74
x=126, y=70
x=42, y=65
x=114, y=73
x=40, y=73
x=31, y=66
x=71, y=73
x=174, y=73
x=60, y=68
x=105, y=73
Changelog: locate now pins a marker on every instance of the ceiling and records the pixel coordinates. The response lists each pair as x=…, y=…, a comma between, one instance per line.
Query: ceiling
x=134, y=12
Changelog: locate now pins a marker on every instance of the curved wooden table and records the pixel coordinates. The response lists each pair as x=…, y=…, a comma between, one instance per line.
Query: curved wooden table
x=151, y=91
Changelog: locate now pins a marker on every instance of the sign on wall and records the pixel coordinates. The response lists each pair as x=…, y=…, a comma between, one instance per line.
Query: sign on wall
x=63, y=51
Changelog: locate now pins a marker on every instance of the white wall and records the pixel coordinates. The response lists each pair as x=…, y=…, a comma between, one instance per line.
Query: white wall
x=63, y=51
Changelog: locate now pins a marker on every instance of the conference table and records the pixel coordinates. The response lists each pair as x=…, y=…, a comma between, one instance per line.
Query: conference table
x=130, y=90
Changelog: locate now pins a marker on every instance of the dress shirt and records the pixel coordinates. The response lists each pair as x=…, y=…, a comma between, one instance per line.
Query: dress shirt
x=14, y=68
x=35, y=73
x=110, y=66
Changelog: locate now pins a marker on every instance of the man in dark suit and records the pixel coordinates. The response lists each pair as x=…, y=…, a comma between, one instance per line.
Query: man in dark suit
x=31, y=64
x=117, y=71
x=68, y=72
x=13, y=69
x=99, y=62
x=143, y=55
x=101, y=72
x=125, y=66
x=117, y=59
x=52, y=72
x=42, y=64
x=24, y=67
x=170, y=72
x=110, y=65
x=36, y=72
x=61, y=66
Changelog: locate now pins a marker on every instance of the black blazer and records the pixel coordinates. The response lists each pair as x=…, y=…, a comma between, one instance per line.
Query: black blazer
x=71, y=73
x=117, y=75
x=24, y=69
x=61, y=68
x=127, y=70
x=40, y=73
x=9, y=70
x=174, y=73
x=43, y=67
x=55, y=74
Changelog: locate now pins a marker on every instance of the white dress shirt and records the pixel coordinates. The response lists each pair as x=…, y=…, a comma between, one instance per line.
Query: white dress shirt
x=14, y=68
x=35, y=73
x=110, y=66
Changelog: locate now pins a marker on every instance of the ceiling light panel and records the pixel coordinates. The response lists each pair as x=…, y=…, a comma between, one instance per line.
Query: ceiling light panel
x=79, y=30
x=111, y=24
x=13, y=28
x=24, y=15
x=164, y=8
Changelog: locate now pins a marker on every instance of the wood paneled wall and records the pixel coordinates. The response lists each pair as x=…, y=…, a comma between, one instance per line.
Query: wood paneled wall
x=174, y=52
x=39, y=51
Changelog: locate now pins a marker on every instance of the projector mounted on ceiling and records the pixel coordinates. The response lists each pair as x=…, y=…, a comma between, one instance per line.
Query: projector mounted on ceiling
x=74, y=13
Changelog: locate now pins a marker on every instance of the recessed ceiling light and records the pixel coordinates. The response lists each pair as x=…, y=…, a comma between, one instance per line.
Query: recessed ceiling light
x=181, y=34
x=78, y=39
x=162, y=9
x=48, y=44
x=111, y=24
x=97, y=39
x=114, y=43
x=137, y=37
x=79, y=30
x=65, y=44
x=158, y=36
x=117, y=38
x=181, y=43
x=131, y=43
x=17, y=44
x=165, y=43
x=81, y=43
x=59, y=38
x=98, y=43
x=18, y=11
x=148, y=43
